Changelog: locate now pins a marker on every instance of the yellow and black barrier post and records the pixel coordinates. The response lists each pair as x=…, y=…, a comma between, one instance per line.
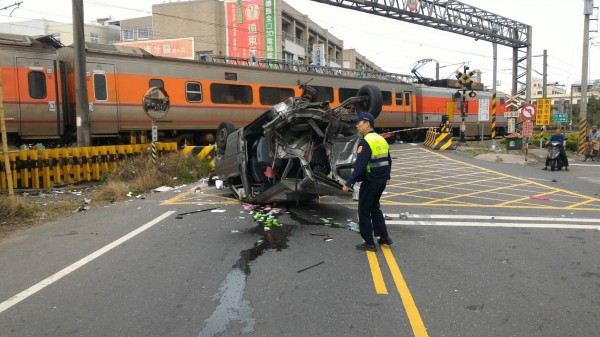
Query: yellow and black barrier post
x=202, y=152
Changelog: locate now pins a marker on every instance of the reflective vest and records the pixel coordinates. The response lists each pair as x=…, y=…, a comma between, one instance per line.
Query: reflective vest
x=379, y=151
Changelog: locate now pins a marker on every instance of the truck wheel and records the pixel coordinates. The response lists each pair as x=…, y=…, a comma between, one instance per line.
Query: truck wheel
x=223, y=131
x=374, y=102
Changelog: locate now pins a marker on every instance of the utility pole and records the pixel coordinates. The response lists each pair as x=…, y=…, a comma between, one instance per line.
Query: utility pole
x=545, y=75
x=494, y=79
x=588, y=8
x=82, y=105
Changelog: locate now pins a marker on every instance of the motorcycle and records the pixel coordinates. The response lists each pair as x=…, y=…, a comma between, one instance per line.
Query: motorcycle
x=554, y=159
x=589, y=151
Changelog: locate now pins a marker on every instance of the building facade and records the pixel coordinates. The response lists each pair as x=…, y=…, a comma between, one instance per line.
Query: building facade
x=102, y=31
x=270, y=29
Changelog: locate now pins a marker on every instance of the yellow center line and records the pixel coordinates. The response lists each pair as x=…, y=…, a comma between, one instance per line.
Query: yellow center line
x=380, y=287
x=412, y=311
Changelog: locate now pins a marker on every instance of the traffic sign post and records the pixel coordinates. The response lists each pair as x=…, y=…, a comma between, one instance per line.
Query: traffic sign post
x=464, y=82
x=560, y=117
x=543, y=111
x=484, y=114
x=527, y=128
x=528, y=112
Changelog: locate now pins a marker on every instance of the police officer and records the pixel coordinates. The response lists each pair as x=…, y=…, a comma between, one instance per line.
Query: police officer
x=372, y=167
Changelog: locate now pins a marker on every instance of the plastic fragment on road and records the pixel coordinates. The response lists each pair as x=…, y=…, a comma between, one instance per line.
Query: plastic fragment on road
x=162, y=189
x=353, y=226
x=539, y=197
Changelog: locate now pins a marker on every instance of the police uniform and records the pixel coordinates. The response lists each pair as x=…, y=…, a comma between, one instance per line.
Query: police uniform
x=372, y=167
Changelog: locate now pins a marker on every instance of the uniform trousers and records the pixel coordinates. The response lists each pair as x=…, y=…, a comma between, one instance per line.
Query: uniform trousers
x=370, y=217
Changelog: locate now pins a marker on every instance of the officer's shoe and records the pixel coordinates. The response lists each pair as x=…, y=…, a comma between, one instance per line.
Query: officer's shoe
x=364, y=246
x=385, y=241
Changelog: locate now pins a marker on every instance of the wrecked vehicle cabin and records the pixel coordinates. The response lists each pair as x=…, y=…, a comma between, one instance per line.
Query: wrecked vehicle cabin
x=296, y=151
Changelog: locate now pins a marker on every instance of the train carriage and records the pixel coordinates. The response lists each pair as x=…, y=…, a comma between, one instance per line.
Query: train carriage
x=39, y=94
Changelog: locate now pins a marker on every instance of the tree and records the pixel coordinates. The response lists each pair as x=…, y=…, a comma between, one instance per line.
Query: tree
x=593, y=113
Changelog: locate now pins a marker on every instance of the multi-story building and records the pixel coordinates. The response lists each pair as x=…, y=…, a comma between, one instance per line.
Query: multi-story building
x=102, y=31
x=562, y=98
x=258, y=29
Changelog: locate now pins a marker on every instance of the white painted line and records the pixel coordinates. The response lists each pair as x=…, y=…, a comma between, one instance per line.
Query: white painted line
x=490, y=217
x=66, y=271
x=499, y=225
x=587, y=165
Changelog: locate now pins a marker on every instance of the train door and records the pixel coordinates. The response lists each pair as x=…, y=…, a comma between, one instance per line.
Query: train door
x=39, y=110
x=410, y=107
x=102, y=97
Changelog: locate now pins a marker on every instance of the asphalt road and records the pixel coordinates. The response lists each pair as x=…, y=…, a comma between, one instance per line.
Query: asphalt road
x=134, y=269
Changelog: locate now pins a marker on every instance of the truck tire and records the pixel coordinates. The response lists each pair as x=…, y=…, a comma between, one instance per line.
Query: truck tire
x=223, y=131
x=374, y=102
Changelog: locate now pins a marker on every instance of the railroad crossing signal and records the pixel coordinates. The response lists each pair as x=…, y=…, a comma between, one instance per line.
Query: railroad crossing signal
x=464, y=80
x=513, y=101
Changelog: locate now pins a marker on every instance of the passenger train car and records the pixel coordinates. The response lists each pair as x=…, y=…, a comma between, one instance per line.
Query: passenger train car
x=38, y=93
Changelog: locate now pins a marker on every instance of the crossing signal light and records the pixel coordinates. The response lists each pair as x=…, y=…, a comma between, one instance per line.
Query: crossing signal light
x=457, y=94
x=472, y=94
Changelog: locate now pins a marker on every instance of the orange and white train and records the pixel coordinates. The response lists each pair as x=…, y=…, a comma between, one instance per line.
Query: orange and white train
x=38, y=95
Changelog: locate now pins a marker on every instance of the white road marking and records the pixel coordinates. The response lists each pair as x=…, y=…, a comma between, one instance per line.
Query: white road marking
x=66, y=271
x=587, y=165
x=480, y=224
x=491, y=217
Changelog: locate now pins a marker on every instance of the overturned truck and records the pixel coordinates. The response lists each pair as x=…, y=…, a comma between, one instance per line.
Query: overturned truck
x=296, y=151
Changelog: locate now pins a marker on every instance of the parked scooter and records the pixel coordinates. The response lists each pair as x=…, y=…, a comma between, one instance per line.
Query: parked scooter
x=589, y=151
x=554, y=159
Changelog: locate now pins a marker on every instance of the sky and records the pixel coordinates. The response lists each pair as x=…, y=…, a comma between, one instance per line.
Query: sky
x=396, y=46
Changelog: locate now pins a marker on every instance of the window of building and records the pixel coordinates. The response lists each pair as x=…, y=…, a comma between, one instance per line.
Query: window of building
x=100, y=87
x=193, y=92
x=142, y=34
x=37, y=84
x=324, y=93
x=127, y=34
x=156, y=83
x=230, y=93
x=272, y=96
x=94, y=38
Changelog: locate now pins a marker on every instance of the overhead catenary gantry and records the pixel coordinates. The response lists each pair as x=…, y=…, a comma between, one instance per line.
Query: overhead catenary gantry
x=460, y=18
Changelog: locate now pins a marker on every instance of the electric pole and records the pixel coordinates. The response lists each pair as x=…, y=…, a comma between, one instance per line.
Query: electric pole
x=82, y=105
x=588, y=8
x=545, y=75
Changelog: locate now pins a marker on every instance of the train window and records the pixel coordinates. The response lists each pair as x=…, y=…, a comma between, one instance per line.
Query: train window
x=324, y=93
x=346, y=93
x=399, y=99
x=100, y=88
x=387, y=97
x=272, y=96
x=230, y=93
x=407, y=98
x=193, y=92
x=37, y=84
x=156, y=83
